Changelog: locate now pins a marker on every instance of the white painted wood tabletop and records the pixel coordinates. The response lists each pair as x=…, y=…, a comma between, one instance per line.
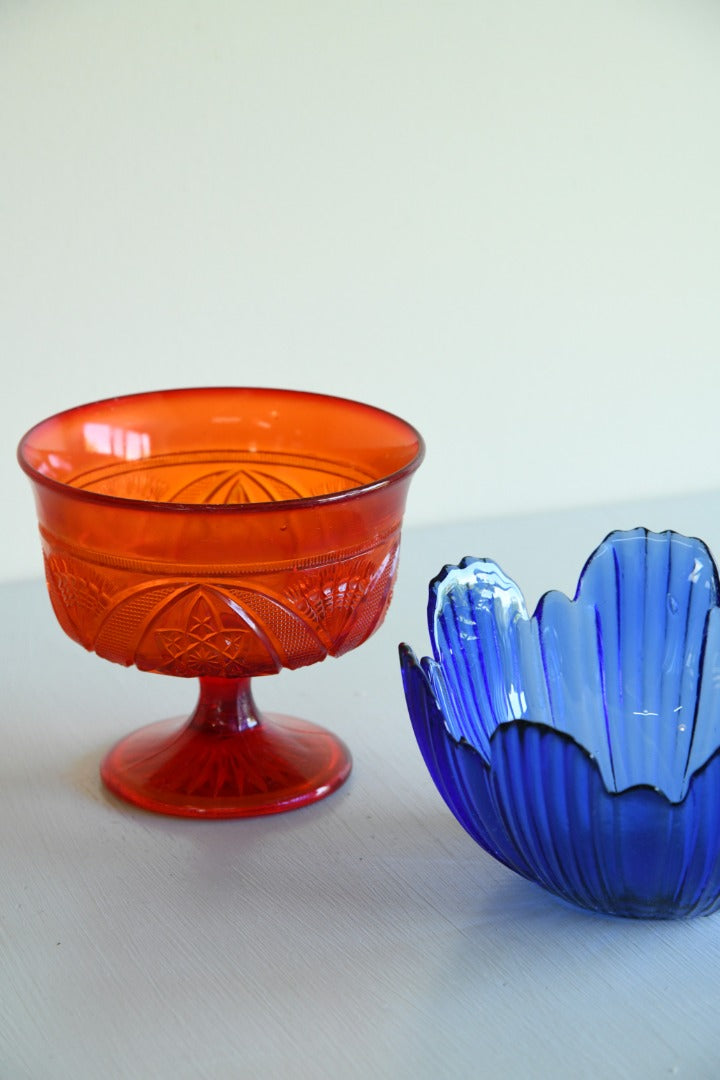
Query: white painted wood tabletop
x=365, y=936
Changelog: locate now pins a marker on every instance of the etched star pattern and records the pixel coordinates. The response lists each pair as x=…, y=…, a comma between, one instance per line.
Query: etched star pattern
x=203, y=646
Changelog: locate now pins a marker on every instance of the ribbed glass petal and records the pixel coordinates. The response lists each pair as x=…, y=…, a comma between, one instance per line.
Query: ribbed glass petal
x=482, y=636
x=706, y=732
x=652, y=593
x=460, y=774
x=572, y=662
x=635, y=854
x=473, y=614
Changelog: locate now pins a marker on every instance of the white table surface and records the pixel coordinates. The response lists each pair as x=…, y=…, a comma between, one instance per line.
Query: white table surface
x=364, y=936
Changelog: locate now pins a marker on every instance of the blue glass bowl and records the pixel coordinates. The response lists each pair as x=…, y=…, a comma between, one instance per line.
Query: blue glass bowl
x=580, y=746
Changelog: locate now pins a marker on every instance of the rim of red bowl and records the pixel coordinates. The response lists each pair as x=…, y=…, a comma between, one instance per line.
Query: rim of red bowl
x=219, y=508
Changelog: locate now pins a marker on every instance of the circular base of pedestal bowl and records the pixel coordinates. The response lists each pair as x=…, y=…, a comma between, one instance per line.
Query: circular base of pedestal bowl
x=173, y=767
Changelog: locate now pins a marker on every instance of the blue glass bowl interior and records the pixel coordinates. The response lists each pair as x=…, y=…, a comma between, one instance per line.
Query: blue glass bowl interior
x=580, y=745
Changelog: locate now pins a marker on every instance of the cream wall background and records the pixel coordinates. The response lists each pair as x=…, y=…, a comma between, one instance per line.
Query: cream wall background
x=501, y=220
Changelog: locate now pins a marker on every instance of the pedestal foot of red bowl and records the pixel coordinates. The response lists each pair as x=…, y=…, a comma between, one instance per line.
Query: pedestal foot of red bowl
x=227, y=761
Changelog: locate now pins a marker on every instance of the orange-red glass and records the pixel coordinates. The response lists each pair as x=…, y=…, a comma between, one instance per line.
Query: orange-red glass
x=222, y=533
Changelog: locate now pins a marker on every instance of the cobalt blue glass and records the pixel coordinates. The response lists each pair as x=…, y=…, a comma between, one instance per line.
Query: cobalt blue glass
x=580, y=746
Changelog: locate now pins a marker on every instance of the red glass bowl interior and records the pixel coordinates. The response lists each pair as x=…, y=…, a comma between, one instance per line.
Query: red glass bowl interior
x=227, y=446
x=220, y=534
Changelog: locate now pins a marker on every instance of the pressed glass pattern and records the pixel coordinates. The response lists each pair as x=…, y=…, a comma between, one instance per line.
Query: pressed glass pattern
x=220, y=534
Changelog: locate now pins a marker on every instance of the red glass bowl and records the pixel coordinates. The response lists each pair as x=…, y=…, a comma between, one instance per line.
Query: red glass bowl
x=220, y=534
